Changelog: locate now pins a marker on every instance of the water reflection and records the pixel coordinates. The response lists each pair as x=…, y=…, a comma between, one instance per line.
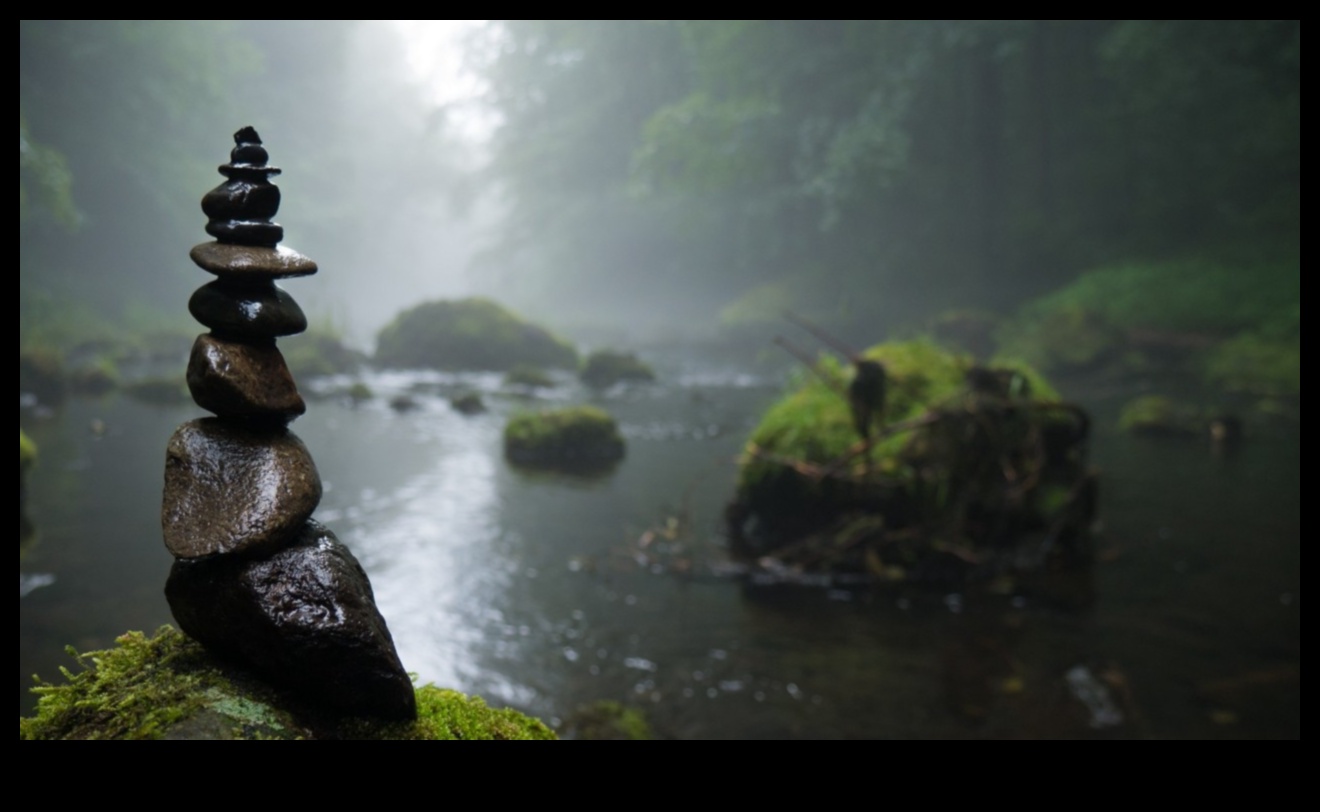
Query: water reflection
x=525, y=587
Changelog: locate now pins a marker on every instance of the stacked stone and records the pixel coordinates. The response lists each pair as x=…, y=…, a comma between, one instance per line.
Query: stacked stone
x=255, y=578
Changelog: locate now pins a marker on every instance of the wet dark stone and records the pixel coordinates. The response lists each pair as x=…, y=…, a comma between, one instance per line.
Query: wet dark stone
x=251, y=262
x=241, y=199
x=235, y=488
x=261, y=311
x=246, y=232
x=304, y=617
x=238, y=379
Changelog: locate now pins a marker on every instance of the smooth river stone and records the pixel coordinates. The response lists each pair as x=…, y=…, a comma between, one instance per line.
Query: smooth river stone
x=303, y=617
x=261, y=311
x=251, y=262
x=238, y=379
x=232, y=488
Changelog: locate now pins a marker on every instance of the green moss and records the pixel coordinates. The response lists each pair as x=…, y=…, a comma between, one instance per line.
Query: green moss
x=530, y=376
x=1257, y=363
x=578, y=436
x=359, y=392
x=27, y=451
x=319, y=352
x=607, y=720
x=1157, y=414
x=605, y=368
x=164, y=391
x=468, y=334
x=167, y=686
x=948, y=459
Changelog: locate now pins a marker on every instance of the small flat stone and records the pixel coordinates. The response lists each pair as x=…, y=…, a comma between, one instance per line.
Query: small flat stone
x=303, y=617
x=261, y=311
x=251, y=261
x=232, y=488
x=238, y=379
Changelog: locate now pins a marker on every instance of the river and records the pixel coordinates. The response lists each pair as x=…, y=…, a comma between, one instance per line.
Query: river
x=531, y=590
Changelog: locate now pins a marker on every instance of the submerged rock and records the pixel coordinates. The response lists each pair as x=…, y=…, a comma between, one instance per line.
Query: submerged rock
x=304, y=617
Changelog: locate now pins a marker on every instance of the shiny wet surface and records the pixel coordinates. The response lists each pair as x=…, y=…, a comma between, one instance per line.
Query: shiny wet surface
x=530, y=589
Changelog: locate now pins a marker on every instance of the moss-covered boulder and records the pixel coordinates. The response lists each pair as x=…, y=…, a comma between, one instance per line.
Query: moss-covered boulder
x=580, y=437
x=604, y=368
x=963, y=462
x=468, y=334
x=320, y=352
x=528, y=377
x=168, y=687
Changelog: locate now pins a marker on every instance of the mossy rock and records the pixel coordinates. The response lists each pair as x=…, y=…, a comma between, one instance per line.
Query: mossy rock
x=468, y=334
x=528, y=376
x=468, y=403
x=168, y=687
x=1157, y=415
x=607, y=720
x=956, y=466
x=579, y=437
x=27, y=451
x=605, y=368
x=318, y=353
x=1257, y=363
x=41, y=372
x=163, y=391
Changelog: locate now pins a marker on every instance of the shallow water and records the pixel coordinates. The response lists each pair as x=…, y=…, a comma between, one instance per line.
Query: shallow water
x=530, y=588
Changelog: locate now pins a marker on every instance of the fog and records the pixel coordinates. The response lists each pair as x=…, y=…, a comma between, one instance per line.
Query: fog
x=659, y=177
x=1113, y=204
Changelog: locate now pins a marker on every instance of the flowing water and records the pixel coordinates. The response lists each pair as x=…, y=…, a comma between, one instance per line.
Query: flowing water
x=532, y=589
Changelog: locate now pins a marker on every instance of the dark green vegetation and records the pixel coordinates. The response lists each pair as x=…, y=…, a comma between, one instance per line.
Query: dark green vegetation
x=877, y=172
x=576, y=438
x=607, y=720
x=168, y=687
x=604, y=368
x=468, y=334
x=967, y=466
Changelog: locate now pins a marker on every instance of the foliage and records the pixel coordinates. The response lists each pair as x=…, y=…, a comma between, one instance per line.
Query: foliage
x=1257, y=363
x=607, y=720
x=27, y=452
x=528, y=375
x=603, y=368
x=1157, y=414
x=167, y=686
x=901, y=166
x=579, y=436
x=320, y=352
x=468, y=334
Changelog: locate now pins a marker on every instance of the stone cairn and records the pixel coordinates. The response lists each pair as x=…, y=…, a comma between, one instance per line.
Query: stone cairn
x=255, y=578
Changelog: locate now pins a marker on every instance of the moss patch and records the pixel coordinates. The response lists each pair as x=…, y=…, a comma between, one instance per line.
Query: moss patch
x=168, y=687
x=963, y=461
x=607, y=720
x=605, y=368
x=468, y=334
x=577, y=437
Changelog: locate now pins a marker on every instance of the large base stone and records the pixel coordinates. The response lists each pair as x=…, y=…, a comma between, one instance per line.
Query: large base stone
x=304, y=618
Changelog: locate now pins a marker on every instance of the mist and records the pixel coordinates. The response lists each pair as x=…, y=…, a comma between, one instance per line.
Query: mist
x=741, y=248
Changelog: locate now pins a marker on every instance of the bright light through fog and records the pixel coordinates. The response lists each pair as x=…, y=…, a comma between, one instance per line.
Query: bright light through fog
x=434, y=51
